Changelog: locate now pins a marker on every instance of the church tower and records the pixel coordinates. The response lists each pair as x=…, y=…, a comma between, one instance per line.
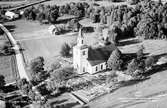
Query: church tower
x=80, y=54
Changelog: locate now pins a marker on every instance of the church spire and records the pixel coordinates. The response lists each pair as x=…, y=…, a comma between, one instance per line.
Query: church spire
x=80, y=39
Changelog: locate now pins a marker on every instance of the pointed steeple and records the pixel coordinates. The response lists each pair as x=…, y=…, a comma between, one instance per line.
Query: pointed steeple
x=80, y=34
x=80, y=39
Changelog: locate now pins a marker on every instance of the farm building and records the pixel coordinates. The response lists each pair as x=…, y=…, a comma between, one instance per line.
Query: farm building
x=90, y=60
x=11, y=15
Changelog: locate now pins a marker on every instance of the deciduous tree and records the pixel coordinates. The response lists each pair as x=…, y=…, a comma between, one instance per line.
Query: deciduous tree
x=149, y=61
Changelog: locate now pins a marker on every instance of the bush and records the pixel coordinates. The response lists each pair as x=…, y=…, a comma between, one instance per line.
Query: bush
x=62, y=74
x=132, y=67
x=65, y=50
x=149, y=61
x=55, y=66
x=140, y=53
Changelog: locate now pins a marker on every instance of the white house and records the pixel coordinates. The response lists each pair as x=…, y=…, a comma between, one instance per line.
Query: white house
x=86, y=59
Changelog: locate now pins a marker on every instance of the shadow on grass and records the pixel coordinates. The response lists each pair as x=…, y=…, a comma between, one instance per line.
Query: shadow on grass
x=68, y=105
x=129, y=42
x=156, y=57
x=62, y=32
x=58, y=102
x=10, y=27
x=128, y=57
x=132, y=82
x=156, y=69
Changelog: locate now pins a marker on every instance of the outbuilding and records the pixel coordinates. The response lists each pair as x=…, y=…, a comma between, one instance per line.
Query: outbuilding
x=11, y=15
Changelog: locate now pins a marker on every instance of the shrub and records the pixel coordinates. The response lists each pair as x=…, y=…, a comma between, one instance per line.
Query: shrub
x=55, y=66
x=62, y=74
x=140, y=53
x=132, y=67
x=149, y=61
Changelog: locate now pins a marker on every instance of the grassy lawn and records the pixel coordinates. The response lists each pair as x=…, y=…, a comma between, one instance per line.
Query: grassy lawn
x=8, y=68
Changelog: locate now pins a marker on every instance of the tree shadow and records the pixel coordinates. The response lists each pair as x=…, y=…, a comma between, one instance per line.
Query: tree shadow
x=62, y=32
x=10, y=27
x=133, y=82
x=128, y=42
x=157, y=57
x=129, y=56
x=58, y=102
x=69, y=105
x=156, y=69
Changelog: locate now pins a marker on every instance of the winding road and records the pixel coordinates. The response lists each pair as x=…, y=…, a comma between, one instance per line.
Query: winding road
x=18, y=54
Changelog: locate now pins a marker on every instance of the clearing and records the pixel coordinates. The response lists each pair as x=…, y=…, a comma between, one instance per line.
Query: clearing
x=37, y=41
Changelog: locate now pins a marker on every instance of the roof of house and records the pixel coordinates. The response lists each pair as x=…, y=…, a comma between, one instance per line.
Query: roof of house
x=100, y=55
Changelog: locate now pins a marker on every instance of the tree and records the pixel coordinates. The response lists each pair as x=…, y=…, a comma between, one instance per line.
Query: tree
x=132, y=67
x=149, y=61
x=115, y=61
x=147, y=28
x=2, y=81
x=140, y=53
x=24, y=85
x=37, y=69
x=115, y=32
x=53, y=15
x=65, y=50
x=73, y=25
x=41, y=17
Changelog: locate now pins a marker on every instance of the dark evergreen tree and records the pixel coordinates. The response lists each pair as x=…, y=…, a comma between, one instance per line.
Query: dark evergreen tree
x=65, y=50
x=114, y=62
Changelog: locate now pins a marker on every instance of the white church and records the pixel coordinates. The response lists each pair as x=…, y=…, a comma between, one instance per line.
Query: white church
x=88, y=60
